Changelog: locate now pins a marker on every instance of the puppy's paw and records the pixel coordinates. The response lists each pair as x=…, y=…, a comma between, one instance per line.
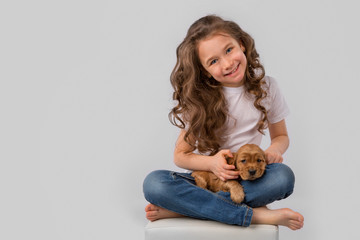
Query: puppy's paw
x=237, y=193
x=238, y=197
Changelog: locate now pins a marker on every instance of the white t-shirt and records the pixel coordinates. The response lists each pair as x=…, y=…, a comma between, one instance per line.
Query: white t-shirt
x=241, y=125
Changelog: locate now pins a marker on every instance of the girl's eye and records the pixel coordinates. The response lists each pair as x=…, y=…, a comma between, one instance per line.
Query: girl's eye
x=213, y=62
x=243, y=161
x=229, y=50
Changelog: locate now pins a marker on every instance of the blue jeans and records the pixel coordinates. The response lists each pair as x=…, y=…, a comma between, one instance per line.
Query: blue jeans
x=177, y=192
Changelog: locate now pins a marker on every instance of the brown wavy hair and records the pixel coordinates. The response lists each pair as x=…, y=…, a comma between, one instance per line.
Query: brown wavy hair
x=201, y=106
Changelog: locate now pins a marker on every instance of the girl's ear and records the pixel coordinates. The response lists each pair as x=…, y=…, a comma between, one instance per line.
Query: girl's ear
x=207, y=74
x=242, y=48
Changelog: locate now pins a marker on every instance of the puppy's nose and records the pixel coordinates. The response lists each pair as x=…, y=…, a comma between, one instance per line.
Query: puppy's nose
x=252, y=172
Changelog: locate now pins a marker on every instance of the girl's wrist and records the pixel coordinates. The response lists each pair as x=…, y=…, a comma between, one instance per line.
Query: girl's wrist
x=209, y=165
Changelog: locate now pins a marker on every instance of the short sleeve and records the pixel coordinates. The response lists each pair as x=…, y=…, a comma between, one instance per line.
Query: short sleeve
x=277, y=107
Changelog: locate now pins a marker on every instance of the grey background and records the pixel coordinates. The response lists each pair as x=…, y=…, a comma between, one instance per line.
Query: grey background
x=85, y=94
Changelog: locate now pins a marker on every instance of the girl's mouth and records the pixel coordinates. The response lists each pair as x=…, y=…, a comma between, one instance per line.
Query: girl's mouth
x=233, y=71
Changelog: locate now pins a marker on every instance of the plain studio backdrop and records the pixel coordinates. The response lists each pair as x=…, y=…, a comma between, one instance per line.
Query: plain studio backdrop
x=85, y=94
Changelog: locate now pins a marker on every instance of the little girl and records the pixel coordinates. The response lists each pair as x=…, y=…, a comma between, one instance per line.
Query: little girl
x=224, y=100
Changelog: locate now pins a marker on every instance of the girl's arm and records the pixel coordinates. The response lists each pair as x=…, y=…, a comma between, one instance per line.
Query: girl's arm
x=191, y=161
x=279, y=142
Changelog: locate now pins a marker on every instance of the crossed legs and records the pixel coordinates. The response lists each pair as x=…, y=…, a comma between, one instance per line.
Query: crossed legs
x=175, y=195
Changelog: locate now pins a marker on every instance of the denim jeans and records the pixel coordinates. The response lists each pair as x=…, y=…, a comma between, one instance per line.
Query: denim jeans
x=177, y=192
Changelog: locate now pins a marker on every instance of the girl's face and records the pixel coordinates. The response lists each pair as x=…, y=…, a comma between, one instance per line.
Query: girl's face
x=223, y=58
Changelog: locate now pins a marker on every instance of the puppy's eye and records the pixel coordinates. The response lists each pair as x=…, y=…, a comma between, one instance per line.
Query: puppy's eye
x=259, y=160
x=243, y=161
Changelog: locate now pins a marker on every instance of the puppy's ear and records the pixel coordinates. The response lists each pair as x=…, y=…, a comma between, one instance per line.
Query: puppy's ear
x=231, y=160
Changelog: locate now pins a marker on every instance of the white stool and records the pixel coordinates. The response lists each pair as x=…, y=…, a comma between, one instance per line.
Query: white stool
x=194, y=229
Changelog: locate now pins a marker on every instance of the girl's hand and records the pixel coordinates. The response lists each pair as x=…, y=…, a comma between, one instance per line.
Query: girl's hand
x=273, y=156
x=220, y=167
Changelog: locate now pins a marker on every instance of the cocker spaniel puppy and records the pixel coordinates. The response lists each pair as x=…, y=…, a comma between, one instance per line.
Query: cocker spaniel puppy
x=249, y=160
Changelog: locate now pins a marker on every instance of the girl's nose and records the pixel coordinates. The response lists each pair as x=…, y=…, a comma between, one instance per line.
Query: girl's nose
x=227, y=64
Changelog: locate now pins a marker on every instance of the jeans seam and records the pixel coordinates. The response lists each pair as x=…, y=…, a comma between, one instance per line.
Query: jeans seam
x=175, y=174
x=247, y=222
x=246, y=215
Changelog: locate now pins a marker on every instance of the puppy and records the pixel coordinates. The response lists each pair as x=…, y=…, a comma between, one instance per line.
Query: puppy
x=249, y=160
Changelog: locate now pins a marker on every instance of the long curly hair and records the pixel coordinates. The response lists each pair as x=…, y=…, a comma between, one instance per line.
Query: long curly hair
x=201, y=106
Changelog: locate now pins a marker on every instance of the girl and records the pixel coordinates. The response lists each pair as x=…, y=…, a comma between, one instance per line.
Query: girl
x=224, y=101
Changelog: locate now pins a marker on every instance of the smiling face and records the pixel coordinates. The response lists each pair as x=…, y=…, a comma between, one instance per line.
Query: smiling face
x=250, y=162
x=223, y=58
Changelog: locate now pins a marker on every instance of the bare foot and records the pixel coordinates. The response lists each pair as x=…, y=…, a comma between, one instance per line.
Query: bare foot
x=284, y=217
x=154, y=213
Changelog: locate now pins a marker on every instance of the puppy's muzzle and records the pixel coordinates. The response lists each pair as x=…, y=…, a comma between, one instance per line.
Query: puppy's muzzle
x=252, y=172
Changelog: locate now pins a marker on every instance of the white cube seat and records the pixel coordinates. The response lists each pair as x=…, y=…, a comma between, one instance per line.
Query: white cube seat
x=194, y=229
